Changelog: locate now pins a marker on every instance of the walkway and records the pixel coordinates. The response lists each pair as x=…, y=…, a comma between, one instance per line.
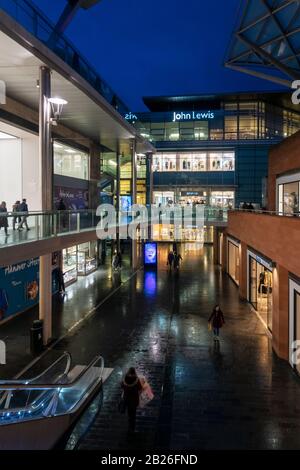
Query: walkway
x=68, y=311
x=233, y=396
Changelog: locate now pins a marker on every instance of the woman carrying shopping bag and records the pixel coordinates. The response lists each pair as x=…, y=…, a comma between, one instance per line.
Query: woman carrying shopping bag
x=132, y=388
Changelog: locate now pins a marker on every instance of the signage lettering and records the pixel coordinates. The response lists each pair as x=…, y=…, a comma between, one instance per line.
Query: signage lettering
x=193, y=116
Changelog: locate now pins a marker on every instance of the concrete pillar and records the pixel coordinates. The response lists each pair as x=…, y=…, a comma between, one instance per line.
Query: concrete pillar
x=134, y=260
x=118, y=176
x=149, y=189
x=46, y=178
x=280, y=316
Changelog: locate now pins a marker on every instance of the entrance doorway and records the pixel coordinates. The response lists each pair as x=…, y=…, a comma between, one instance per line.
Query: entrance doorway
x=294, y=324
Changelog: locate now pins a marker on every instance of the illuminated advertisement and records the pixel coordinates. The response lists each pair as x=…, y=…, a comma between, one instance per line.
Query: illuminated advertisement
x=19, y=287
x=150, y=254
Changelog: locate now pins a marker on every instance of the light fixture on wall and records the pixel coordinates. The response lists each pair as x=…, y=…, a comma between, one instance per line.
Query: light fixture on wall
x=57, y=105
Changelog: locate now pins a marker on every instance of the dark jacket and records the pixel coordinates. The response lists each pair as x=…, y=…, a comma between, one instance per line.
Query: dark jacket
x=132, y=388
x=3, y=220
x=217, y=319
x=23, y=207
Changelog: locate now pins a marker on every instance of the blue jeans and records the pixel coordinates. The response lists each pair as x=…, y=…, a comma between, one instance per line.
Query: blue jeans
x=216, y=331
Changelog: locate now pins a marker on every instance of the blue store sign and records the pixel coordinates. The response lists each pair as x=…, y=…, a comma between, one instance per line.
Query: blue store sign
x=19, y=287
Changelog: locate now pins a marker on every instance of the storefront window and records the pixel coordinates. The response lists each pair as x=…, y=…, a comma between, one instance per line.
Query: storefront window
x=70, y=265
x=71, y=162
x=224, y=199
x=86, y=258
x=217, y=161
x=163, y=197
x=291, y=198
x=260, y=290
x=234, y=261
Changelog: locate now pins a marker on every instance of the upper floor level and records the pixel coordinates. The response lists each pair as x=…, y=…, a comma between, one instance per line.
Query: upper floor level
x=245, y=116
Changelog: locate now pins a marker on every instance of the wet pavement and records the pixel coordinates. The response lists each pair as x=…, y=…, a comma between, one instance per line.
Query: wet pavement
x=235, y=394
x=68, y=311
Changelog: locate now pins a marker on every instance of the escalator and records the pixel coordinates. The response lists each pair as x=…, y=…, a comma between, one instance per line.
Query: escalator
x=54, y=409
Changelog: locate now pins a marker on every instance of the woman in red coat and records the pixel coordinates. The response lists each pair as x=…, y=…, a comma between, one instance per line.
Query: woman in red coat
x=217, y=321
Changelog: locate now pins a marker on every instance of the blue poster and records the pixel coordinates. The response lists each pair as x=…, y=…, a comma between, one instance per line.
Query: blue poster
x=150, y=254
x=19, y=287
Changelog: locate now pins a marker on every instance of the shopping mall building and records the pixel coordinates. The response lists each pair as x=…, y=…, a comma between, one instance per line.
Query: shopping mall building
x=213, y=149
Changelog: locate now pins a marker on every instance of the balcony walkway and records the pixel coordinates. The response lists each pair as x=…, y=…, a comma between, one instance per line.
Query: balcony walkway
x=235, y=394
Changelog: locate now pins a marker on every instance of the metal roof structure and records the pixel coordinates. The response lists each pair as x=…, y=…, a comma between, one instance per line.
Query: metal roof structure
x=266, y=40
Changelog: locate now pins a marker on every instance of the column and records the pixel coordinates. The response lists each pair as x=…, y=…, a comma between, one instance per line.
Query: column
x=134, y=260
x=118, y=176
x=46, y=176
x=149, y=190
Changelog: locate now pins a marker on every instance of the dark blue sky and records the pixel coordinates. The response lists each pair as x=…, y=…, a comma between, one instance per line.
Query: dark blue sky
x=158, y=47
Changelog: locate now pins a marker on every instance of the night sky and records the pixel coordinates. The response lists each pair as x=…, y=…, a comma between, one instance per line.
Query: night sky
x=158, y=47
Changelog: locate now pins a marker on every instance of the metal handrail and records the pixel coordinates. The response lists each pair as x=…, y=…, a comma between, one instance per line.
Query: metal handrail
x=14, y=386
x=263, y=211
x=28, y=381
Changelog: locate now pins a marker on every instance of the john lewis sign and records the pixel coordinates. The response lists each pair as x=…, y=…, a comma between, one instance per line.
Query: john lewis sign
x=193, y=116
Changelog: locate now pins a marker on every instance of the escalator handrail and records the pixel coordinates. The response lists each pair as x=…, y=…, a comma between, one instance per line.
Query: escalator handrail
x=24, y=382
x=24, y=386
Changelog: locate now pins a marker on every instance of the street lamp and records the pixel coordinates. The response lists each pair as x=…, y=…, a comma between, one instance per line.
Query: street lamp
x=57, y=105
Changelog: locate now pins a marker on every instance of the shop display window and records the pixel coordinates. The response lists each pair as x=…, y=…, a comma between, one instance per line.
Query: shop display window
x=260, y=290
x=86, y=258
x=70, y=265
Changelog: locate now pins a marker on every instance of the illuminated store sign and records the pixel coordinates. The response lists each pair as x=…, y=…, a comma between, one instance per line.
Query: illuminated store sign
x=193, y=116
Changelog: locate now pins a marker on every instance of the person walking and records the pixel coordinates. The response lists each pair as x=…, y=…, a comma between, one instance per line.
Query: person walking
x=61, y=206
x=177, y=260
x=119, y=260
x=60, y=280
x=15, y=210
x=132, y=388
x=170, y=259
x=216, y=320
x=3, y=218
x=24, y=209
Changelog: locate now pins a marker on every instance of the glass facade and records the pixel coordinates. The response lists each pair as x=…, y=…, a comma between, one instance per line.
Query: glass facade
x=69, y=161
x=195, y=161
x=243, y=120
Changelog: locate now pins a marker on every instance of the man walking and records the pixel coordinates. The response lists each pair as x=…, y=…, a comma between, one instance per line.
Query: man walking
x=24, y=208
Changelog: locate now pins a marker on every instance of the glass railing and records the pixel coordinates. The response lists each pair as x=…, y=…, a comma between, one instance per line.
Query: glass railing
x=20, y=228
x=24, y=227
x=34, y=400
x=291, y=213
x=32, y=19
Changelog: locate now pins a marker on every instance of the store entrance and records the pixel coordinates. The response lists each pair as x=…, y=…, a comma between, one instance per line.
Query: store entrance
x=260, y=290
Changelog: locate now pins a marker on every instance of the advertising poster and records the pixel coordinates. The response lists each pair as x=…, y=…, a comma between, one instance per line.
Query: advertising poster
x=150, y=254
x=19, y=287
x=73, y=198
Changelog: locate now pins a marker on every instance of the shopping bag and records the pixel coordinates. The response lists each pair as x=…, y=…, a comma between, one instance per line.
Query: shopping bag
x=146, y=395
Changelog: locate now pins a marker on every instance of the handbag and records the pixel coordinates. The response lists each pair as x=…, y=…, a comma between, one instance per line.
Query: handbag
x=146, y=395
x=209, y=326
x=122, y=404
